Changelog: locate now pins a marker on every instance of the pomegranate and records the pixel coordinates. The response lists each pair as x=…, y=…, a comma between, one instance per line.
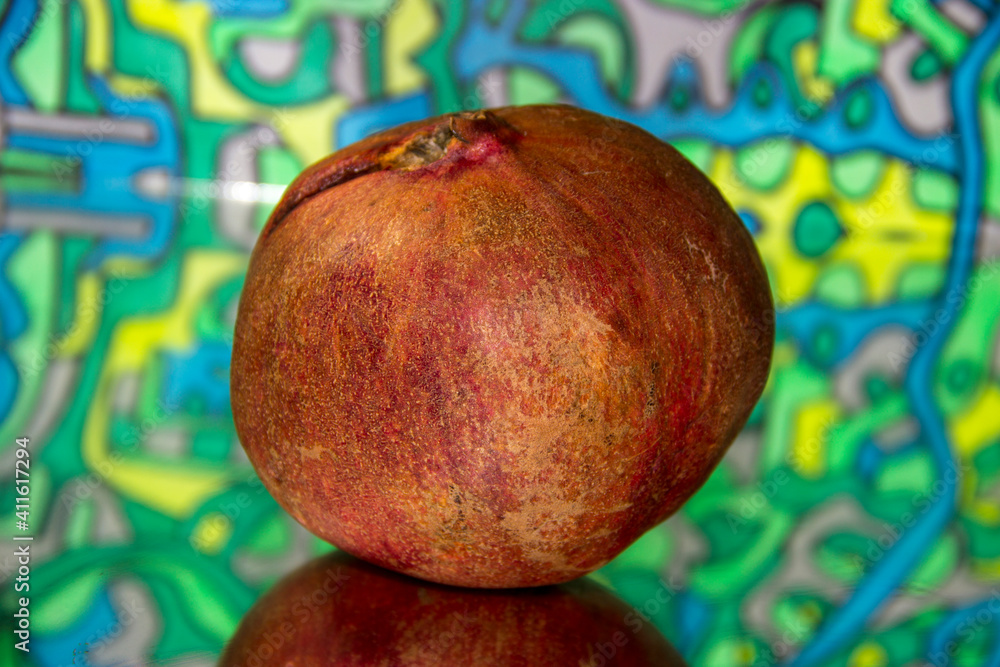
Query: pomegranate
x=494, y=348
x=337, y=610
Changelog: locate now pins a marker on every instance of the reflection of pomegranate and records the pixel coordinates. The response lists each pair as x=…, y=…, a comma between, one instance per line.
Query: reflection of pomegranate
x=340, y=611
x=494, y=348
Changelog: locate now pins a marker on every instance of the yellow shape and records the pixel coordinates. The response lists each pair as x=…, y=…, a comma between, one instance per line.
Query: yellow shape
x=812, y=429
x=135, y=340
x=97, y=45
x=883, y=235
x=126, y=267
x=808, y=180
x=411, y=26
x=984, y=512
x=869, y=654
x=986, y=568
x=978, y=426
x=171, y=490
x=212, y=532
x=308, y=130
x=187, y=23
x=888, y=232
x=972, y=431
x=175, y=492
x=872, y=19
x=805, y=58
x=89, y=304
x=601, y=578
x=784, y=355
x=133, y=86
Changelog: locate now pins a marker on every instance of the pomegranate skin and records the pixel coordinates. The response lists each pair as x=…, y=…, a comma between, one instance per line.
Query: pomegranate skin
x=337, y=610
x=494, y=348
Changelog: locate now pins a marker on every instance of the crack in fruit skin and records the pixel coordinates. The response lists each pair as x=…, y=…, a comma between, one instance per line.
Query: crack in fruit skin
x=420, y=149
x=459, y=308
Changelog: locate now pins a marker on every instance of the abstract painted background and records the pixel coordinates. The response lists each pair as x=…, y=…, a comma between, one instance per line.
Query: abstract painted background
x=855, y=521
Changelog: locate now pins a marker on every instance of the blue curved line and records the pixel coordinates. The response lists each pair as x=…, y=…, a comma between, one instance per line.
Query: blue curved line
x=949, y=628
x=9, y=380
x=13, y=315
x=13, y=322
x=69, y=644
x=16, y=25
x=985, y=5
x=360, y=122
x=258, y=9
x=883, y=579
x=851, y=326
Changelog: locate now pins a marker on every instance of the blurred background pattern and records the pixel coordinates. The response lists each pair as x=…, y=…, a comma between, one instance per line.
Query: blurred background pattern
x=854, y=522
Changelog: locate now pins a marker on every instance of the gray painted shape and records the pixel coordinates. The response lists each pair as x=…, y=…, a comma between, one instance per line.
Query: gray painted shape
x=75, y=222
x=237, y=162
x=85, y=128
x=268, y=59
x=168, y=443
x=963, y=14
x=923, y=107
x=874, y=353
x=347, y=69
x=132, y=638
x=255, y=568
x=662, y=35
x=743, y=456
x=110, y=524
x=988, y=241
x=800, y=571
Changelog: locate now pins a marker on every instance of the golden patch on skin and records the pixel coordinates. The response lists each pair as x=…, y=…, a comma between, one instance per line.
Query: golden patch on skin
x=314, y=453
x=540, y=529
